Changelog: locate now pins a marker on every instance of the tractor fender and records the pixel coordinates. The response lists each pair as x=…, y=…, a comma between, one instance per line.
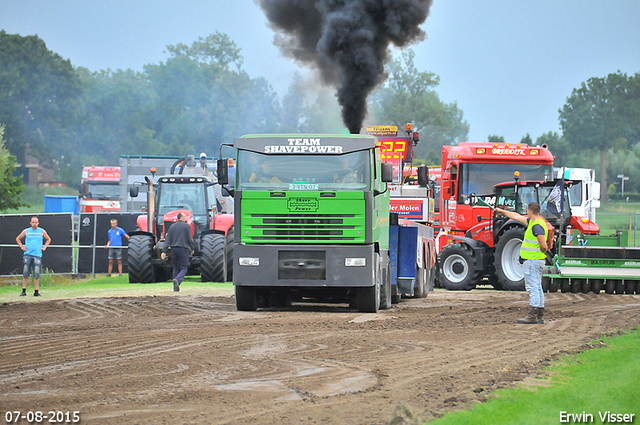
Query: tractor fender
x=143, y=232
x=223, y=223
x=506, y=226
x=142, y=222
x=481, y=251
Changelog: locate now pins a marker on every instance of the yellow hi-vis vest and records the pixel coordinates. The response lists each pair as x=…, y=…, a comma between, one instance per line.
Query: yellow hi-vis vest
x=530, y=249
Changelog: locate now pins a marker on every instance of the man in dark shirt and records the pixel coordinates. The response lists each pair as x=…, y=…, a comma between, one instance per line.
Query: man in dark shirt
x=180, y=242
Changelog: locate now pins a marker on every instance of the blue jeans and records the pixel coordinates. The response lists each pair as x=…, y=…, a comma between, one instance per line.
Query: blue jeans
x=533, y=282
x=31, y=262
x=179, y=262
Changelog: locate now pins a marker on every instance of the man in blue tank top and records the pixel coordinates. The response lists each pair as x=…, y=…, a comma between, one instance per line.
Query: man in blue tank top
x=33, y=248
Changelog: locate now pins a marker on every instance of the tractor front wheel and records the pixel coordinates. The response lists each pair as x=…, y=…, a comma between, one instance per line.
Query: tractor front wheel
x=509, y=271
x=456, y=265
x=140, y=256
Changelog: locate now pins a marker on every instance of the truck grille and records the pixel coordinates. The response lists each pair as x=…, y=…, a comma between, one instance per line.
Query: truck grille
x=303, y=227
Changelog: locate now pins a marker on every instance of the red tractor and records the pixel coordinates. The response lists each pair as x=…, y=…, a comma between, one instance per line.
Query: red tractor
x=491, y=248
x=192, y=188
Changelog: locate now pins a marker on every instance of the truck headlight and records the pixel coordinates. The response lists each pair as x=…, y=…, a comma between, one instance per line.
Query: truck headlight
x=355, y=262
x=249, y=261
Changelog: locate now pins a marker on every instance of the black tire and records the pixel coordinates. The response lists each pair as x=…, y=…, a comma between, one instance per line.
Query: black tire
x=385, y=291
x=619, y=287
x=576, y=285
x=456, y=265
x=553, y=285
x=422, y=282
x=565, y=285
x=586, y=286
x=368, y=298
x=212, y=260
x=230, y=248
x=546, y=281
x=246, y=298
x=610, y=286
x=596, y=285
x=140, y=259
x=509, y=271
x=629, y=287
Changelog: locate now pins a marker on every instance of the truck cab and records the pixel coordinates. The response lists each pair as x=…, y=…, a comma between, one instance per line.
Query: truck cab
x=312, y=217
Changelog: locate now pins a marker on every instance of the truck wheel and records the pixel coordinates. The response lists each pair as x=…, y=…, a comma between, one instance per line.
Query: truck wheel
x=246, y=298
x=509, y=271
x=456, y=266
x=139, y=259
x=385, y=290
x=230, y=255
x=422, y=283
x=212, y=261
x=368, y=298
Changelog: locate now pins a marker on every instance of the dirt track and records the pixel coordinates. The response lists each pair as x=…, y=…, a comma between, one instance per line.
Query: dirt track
x=194, y=359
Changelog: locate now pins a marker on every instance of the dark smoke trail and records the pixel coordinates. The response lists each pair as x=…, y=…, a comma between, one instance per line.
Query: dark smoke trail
x=347, y=41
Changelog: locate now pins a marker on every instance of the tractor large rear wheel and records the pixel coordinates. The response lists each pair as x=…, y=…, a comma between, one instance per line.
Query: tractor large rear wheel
x=140, y=256
x=509, y=271
x=457, y=268
x=212, y=261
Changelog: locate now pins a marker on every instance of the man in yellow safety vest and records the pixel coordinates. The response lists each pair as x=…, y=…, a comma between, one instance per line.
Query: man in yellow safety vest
x=532, y=252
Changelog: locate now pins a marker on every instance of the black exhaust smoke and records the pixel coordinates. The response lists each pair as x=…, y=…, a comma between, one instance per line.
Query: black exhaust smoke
x=347, y=41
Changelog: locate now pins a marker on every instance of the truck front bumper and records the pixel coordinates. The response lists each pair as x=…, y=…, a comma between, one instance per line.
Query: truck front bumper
x=304, y=266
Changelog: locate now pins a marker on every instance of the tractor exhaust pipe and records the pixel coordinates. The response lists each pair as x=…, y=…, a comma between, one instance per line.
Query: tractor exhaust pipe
x=151, y=202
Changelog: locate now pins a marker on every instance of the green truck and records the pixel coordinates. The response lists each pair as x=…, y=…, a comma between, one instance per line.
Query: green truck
x=312, y=220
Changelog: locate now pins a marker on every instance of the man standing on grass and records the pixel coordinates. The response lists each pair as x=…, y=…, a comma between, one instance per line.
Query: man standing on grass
x=532, y=251
x=181, y=243
x=32, y=258
x=115, y=240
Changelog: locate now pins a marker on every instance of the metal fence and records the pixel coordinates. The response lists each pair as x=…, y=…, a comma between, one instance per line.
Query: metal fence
x=77, y=242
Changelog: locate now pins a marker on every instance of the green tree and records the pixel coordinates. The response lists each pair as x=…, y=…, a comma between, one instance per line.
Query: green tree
x=10, y=186
x=204, y=98
x=36, y=100
x=492, y=138
x=409, y=96
x=603, y=114
x=527, y=139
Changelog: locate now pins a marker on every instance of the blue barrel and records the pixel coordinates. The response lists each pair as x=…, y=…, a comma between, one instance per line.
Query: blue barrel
x=61, y=204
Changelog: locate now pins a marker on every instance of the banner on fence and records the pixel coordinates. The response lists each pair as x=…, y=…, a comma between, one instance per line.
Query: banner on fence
x=56, y=259
x=97, y=226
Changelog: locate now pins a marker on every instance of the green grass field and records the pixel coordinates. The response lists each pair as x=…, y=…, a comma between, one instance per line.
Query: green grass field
x=593, y=382
x=59, y=287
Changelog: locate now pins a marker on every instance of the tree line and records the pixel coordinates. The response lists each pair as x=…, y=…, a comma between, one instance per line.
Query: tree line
x=200, y=97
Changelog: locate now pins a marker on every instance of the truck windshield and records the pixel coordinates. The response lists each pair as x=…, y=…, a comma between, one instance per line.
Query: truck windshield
x=105, y=191
x=182, y=196
x=258, y=171
x=481, y=178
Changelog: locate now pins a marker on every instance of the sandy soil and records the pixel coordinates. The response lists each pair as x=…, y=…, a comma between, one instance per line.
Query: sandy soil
x=189, y=358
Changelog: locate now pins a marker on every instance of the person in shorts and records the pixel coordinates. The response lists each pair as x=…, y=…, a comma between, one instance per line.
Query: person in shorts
x=33, y=248
x=115, y=240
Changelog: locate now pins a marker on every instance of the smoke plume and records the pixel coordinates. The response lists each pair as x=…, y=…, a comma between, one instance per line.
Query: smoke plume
x=347, y=41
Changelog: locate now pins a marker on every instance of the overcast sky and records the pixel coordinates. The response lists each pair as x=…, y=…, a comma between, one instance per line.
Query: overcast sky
x=509, y=64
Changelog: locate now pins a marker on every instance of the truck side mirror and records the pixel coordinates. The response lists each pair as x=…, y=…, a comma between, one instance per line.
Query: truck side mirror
x=423, y=176
x=223, y=171
x=133, y=191
x=387, y=172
